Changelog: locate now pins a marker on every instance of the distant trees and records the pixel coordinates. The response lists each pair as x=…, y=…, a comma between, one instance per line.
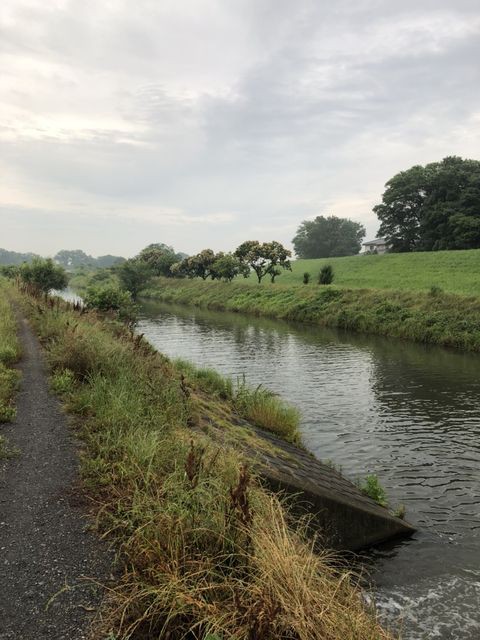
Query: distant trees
x=43, y=274
x=267, y=258
x=326, y=237
x=432, y=207
x=160, y=257
x=14, y=258
x=72, y=259
x=134, y=275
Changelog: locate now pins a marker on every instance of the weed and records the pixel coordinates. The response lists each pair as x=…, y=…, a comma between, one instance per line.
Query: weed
x=6, y=451
x=399, y=512
x=372, y=488
x=63, y=381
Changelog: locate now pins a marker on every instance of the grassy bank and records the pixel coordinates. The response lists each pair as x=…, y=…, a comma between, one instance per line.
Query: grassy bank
x=9, y=354
x=209, y=553
x=453, y=271
x=438, y=318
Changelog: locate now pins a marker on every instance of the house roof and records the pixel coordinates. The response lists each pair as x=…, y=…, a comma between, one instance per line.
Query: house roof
x=376, y=241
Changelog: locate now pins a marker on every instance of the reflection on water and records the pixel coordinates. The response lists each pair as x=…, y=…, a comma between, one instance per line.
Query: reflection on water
x=409, y=413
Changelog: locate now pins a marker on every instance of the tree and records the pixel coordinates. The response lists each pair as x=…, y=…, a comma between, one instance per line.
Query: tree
x=160, y=257
x=432, y=207
x=134, y=275
x=73, y=258
x=43, y=275
x=264, y=258
x=227, y=267
x=328, y=237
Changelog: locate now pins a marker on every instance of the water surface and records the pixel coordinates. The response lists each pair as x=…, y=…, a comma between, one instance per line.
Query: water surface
x=407, y=412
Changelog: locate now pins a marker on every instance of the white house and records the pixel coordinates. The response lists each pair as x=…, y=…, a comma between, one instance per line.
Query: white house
x=379, y=245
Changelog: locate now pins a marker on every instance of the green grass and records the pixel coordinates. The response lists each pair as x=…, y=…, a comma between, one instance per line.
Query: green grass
x=453, y=271
x=437, y=318
x=9, y=354
x=207, y=549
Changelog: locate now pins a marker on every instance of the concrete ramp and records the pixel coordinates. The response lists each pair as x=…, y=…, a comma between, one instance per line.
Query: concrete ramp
x=347, y=518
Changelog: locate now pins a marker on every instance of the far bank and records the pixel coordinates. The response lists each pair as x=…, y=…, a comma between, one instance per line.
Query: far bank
x=436, y=318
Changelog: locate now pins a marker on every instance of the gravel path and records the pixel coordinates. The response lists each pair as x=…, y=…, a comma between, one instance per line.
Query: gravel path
x=45, y=548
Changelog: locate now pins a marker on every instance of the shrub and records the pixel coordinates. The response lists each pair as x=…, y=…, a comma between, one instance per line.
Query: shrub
x=435, y=291
x=326, y=274
x=110, y=298
x=306, y=277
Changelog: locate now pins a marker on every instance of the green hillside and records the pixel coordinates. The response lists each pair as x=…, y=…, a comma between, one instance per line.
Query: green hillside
x=453, y=271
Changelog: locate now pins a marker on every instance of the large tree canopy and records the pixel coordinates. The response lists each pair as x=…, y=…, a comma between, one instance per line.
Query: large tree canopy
x=328, y=237
x=432, y=207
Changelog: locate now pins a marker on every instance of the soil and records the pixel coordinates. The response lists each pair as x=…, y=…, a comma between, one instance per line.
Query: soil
x=50, y=561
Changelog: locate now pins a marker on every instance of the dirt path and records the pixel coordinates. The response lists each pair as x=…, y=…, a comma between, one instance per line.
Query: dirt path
x=44, y=545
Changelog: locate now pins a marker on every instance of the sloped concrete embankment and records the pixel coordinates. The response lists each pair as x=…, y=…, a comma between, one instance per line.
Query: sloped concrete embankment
x=346, y=518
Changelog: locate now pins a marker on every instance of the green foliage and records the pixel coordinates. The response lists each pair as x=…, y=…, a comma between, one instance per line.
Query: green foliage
x=43, y=275
x=435, y=291
x=306, y=277
x=432, y=207
x=134, y=275
x=227, y=267
x=160, y=257
x=327, y=237
x=372, y=488
x=264, y=258
x=14, y=258
x=9, y=354
x=326, y=274
x=110, y=298
x=9, y=271
x=63, y=381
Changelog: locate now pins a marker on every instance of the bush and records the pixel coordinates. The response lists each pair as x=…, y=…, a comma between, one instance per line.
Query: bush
x=326, y=274
x=43, y=275
x=306, y=277
x=110, y=298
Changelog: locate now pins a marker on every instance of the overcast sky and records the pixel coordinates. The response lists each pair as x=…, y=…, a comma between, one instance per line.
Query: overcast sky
x=203, y=123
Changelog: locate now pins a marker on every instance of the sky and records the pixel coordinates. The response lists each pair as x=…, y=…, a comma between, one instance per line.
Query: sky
x=204, y=123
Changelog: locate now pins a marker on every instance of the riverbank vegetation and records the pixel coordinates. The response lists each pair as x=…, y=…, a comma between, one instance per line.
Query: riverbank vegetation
x=436, y=318
x=208, y=551
x=9, y=354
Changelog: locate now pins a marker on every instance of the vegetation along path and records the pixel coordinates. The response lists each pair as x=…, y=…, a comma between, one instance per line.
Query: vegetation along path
x=47, y=556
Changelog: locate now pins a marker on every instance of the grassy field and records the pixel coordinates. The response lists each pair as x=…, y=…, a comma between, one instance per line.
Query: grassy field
x=9, y=354
x=209, y=552
x=453, y=271
x=437, y=318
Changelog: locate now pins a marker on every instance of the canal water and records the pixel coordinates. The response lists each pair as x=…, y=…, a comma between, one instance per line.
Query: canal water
x=409, y=413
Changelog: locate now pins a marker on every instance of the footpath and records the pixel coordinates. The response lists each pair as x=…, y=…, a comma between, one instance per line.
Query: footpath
x=50, y=563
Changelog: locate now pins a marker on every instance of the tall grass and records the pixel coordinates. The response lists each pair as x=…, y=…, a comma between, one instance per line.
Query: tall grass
x=260, y=406
x=9, y=354
x=206, y=549
x=443, y=319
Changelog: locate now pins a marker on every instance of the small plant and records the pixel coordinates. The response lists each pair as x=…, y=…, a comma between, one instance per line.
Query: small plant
x=306, y=277
x=7, y=413
x=63, y=381
x=399, y=512
x=7, y=452
x=372, y=488
x=326, y=274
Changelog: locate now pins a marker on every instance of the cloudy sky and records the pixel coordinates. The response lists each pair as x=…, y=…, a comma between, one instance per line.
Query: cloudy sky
x=202, y=123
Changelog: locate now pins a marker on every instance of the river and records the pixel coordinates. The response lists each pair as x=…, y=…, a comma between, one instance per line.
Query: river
x=409, y=413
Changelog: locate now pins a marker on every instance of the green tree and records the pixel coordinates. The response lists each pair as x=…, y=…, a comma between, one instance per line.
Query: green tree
x=328, y=237
x=134, y=275
x=432, y=207
x=73, y=258
x=43, y=275
x=160, y=257
x=227, y=267
x=264, y=258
